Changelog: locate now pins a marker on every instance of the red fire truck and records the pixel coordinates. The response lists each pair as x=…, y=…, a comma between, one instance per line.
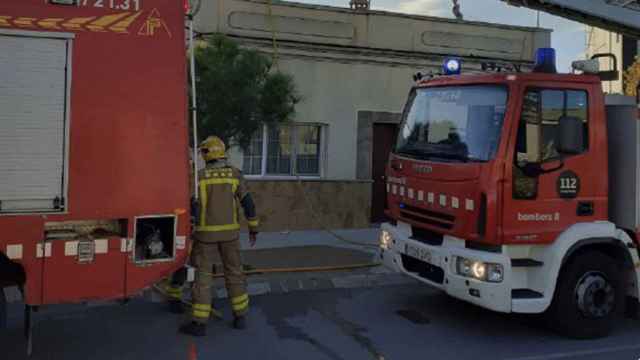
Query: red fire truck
x=94, y=147
x=519, y=192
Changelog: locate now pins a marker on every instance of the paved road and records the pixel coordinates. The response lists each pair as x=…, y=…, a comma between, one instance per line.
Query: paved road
x=385, y=322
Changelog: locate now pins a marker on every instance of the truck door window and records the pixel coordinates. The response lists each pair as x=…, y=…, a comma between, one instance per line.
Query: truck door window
x=555, y=105
x=538, y=131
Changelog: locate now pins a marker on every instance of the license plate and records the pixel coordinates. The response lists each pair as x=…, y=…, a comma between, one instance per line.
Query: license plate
x=418, y=253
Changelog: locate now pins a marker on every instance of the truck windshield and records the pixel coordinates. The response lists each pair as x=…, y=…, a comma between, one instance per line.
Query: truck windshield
x=453, y=124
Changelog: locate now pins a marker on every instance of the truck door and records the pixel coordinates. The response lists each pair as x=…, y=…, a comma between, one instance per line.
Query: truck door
x=548, y=191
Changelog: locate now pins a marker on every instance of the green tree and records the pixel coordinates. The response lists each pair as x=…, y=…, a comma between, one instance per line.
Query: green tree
x=238, y=91
x=632, y=78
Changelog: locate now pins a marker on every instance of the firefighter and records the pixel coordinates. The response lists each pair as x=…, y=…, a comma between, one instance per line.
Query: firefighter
x=222, y=193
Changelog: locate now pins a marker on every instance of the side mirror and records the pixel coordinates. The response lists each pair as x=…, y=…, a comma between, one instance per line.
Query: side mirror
x=570, y=136
x=608, y=75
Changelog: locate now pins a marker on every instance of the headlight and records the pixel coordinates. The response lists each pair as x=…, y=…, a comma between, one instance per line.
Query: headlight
x=479, y=270
x=385, y=240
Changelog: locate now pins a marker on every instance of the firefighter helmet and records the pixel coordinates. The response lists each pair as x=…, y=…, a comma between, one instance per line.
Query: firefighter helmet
x=213, y=148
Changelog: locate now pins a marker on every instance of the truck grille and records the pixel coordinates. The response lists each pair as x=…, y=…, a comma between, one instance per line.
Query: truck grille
x=429, y=217
x=423, y=269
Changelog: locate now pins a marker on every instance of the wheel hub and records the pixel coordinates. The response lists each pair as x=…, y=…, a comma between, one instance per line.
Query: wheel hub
x=595, y=295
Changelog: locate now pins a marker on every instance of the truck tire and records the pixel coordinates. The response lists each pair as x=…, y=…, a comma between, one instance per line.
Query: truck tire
x=589, y=297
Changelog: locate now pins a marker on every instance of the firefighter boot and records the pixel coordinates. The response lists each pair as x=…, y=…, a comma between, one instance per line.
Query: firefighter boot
x=176, y=307
x=240, y=322
x=194, y=329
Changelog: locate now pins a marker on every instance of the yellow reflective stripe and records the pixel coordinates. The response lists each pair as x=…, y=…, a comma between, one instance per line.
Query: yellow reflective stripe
x=235, y=210
x=202, y=311
x=174, y=292
x=201, y=314
x=242, y=306
x=202, y=307
x=215, y=228
x=218, y=181
x=254, y=223
x=203, y=208
x=239, y=299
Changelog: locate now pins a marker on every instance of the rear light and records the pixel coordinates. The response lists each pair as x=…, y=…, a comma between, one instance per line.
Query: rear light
x=187, y=7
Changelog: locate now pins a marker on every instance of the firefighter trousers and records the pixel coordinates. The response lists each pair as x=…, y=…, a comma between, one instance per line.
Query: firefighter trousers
x=203, y=257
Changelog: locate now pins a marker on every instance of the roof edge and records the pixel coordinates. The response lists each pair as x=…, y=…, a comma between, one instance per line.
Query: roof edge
x=338, y=9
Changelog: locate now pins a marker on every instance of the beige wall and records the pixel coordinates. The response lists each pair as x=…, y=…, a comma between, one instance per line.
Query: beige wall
x=603, y=41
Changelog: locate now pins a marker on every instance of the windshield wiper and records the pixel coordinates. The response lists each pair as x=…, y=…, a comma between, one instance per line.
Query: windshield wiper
x=450, y=156
x=412, y=152
x=422, y=154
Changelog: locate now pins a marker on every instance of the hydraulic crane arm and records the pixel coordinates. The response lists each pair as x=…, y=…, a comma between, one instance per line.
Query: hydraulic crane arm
x=621, y=16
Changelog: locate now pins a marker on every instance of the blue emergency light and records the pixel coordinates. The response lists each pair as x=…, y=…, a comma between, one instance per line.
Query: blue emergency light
x=452, y=66
x=545, y=61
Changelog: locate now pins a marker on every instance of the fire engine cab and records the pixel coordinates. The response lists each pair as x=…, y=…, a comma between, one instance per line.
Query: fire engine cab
x=519, y=192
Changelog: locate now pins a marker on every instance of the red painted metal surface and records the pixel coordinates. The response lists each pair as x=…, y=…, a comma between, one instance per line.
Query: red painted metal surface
x=494, y=178
x=128, y=139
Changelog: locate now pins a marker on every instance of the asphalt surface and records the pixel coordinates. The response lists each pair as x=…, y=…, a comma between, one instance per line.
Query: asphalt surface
x=407, y=321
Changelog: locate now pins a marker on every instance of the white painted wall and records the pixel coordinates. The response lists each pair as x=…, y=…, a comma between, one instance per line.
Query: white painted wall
x=603, y=41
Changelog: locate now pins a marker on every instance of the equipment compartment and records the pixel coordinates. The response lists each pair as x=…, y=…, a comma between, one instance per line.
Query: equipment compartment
x=155, y=238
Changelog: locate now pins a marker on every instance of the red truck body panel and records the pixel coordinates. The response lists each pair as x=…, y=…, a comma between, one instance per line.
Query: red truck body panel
x=128, y=143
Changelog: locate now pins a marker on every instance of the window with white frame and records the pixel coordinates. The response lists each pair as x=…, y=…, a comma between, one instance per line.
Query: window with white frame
x=285, y=150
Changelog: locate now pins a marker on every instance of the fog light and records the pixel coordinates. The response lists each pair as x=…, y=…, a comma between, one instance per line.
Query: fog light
x=385, y=240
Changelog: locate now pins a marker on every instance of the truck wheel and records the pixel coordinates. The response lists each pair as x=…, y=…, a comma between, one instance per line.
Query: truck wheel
x=589, y=297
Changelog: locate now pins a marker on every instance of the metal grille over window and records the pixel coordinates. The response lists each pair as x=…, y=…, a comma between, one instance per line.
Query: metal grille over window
x=252, y=163
x=288, y=150
x=308, y=154
x=279, y=151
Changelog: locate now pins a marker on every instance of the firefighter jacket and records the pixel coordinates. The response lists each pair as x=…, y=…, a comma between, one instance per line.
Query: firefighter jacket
x=223, y=192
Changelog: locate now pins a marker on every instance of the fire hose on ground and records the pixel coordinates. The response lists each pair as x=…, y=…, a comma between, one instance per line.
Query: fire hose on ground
x=216, y=314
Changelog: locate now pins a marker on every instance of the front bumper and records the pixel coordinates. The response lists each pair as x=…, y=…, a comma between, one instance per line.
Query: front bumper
x=440, y=271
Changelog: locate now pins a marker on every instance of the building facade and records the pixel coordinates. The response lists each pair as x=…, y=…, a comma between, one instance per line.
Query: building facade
x=624, y=48
x=353, y=69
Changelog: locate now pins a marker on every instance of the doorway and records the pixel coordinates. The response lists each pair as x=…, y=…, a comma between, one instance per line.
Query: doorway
x=384, y=138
